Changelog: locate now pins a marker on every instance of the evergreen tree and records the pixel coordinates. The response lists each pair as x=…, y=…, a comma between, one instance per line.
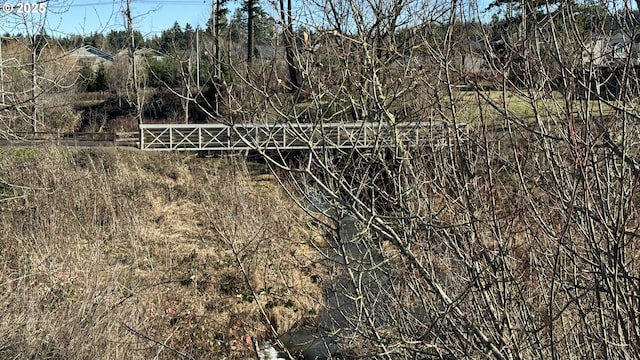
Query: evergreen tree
x=94, y=80
x=215, y=26
x=188, y=36
x=118, y=40
x=172, y=39
x=220, y=11
x=264, y=26
x=238, y=26
x=100, y=80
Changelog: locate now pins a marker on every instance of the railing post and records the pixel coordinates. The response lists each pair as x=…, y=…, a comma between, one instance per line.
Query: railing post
x=366, y=137
x=170, y=138
x=257, y=136
x=141, y=136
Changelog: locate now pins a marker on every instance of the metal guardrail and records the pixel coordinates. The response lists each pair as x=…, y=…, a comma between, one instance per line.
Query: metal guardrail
x=221, y=137
x=72, y=138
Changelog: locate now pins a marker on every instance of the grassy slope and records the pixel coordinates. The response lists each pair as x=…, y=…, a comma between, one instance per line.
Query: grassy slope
x=106, y=253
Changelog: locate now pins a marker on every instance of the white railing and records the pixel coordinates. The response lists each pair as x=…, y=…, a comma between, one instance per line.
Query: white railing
x=221, y=137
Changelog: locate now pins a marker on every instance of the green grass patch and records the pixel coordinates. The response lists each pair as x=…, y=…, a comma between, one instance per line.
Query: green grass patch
x=494, y=106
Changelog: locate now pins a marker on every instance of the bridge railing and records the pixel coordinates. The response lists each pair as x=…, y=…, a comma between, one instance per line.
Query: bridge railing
x=285, y=136
x=71, y=138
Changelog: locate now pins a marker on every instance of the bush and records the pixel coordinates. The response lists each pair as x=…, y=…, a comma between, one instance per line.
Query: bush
x=93, y=81
x=162, y=73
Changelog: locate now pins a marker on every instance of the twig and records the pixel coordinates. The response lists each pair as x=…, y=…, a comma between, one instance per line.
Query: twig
x=146, y=337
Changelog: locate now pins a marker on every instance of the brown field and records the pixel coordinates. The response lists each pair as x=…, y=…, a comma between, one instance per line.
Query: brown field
x=116, y=254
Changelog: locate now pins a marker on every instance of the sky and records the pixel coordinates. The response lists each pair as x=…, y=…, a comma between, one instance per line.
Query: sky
x=83, y=17
x=151, y=17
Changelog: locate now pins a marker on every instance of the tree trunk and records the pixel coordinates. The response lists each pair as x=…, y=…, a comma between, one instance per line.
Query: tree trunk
x=294, y=81
x=132, y=57
x=34, y=84
x=250, y=44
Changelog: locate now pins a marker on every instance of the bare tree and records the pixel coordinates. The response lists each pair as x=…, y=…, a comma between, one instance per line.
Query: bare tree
x=516, y=239
x=134, y=76
x=33, y=68
x=286, y=21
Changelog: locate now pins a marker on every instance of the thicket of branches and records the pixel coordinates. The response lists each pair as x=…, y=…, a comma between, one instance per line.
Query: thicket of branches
x=517, y=239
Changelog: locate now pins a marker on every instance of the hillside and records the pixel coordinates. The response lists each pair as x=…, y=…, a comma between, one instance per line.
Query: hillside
x=116, y=254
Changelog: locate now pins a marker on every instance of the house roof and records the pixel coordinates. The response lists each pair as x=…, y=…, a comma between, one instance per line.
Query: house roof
x=611, y=49
x=88, y=52
x=617, y=38
x=142, y=53
x=268, y=52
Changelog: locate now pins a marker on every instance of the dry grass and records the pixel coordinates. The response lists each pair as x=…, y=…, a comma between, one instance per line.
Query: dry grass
x=111, y=254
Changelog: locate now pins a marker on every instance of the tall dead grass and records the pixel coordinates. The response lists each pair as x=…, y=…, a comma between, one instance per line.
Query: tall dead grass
x=114, y=254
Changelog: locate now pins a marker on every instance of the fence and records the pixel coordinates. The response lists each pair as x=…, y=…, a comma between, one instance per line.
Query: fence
x=71, y=138
x=221, y=137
